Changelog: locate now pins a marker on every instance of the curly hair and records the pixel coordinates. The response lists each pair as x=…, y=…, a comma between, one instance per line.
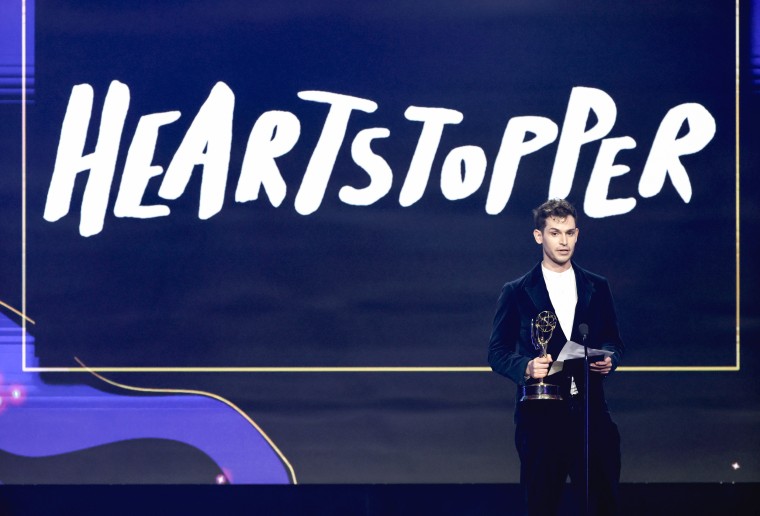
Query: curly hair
x=558, y=208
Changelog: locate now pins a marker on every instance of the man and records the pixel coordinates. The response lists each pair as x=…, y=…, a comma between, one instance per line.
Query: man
x=550, y=435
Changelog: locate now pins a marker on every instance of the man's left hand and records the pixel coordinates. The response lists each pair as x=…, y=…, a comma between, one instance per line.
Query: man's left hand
x=602, y=367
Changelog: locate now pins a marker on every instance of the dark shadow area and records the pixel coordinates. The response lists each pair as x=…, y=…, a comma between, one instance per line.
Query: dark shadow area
x=370, y=500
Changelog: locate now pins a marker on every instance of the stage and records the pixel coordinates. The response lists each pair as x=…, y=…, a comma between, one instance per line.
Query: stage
x=251, y=251
x=371, y=500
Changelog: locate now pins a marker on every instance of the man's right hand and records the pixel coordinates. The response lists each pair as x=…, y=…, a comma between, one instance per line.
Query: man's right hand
x=539, y=367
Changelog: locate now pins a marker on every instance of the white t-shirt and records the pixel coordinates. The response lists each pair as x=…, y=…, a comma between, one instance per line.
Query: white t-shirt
x=564, y=296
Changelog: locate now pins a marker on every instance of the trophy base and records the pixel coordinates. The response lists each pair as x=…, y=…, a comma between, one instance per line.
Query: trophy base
x=540, y=391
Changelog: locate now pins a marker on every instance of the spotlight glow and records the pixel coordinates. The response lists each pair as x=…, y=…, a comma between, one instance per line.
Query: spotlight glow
x=17, y=394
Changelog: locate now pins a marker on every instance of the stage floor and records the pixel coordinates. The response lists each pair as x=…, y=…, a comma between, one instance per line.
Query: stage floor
x=374, y=500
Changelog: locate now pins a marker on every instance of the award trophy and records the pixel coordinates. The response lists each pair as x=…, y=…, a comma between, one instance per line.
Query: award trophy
x=541, y=330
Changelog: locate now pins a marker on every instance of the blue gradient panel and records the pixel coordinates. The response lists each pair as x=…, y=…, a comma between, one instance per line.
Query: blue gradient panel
x=11, y=63
x=755, y=39
x=41, y=420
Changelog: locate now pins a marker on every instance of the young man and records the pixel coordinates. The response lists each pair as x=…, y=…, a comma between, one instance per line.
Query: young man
x=550, y=434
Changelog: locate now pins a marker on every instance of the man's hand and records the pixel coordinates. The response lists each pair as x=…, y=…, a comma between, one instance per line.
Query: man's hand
x=539, y=367
x=602, y=367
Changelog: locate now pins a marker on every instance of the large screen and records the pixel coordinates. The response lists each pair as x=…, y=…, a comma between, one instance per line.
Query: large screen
x=264, y=241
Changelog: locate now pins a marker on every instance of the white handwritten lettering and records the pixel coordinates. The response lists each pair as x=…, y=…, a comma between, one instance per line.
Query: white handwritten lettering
x=209, y=138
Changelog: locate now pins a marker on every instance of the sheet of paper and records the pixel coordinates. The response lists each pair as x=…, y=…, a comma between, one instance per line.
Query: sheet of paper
x=573, y=350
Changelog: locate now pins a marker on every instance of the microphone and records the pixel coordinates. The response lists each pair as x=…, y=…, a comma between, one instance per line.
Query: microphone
x=583, y=328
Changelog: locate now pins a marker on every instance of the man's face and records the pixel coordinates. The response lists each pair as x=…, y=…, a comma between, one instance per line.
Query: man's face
x=558, y=242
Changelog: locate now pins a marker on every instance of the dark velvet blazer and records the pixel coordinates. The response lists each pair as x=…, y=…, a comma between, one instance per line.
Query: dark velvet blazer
x=511, y=349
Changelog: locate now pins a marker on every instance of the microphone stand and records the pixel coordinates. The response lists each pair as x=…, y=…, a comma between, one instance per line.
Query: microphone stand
x=584, y=334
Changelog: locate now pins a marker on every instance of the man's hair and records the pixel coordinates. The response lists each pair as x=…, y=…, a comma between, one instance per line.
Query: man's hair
x=558, y=208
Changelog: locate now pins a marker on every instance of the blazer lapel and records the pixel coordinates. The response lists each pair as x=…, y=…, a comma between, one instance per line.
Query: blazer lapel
x=536, y=289
x=585, y=289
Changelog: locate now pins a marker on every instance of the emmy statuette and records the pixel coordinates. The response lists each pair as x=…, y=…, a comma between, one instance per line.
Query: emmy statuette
x=541, y=330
